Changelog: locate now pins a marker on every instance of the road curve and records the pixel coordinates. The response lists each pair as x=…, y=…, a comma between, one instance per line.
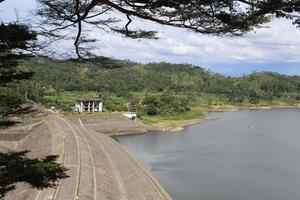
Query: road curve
x=118, y=175
x=99, y=168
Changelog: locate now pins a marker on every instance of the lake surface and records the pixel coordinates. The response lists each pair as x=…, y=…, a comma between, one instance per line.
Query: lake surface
x=242, y=155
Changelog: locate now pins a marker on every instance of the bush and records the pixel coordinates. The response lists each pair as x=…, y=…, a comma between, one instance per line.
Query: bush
x=165, y=104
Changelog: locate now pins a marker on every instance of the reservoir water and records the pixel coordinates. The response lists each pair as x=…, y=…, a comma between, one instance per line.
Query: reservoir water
x=242, y=155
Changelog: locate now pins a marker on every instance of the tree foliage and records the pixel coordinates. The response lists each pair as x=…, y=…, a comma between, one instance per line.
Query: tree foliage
x=166, y=103
x=38, y=173
x=207, y=17
x=118, y=83
x=14, y=41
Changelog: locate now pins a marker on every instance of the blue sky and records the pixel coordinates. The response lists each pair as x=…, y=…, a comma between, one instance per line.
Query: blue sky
x=269, y=49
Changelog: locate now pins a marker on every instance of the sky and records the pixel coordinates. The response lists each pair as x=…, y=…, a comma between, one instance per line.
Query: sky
x=276, y=48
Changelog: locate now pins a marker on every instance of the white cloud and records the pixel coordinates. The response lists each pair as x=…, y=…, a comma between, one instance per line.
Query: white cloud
x=278, y=44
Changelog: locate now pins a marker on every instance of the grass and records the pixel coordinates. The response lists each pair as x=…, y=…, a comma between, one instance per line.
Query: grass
x=187, y=116
x=285, y=102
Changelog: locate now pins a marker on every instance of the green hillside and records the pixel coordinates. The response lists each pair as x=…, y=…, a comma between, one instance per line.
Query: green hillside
x=151, y=89
x=115, y=76
x=105, y=75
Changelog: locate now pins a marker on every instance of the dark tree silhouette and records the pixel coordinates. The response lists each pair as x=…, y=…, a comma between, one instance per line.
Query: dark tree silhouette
x=207, y=17
x=16, y=167
x=15, y=45
x=14, y=42
x=38, y=173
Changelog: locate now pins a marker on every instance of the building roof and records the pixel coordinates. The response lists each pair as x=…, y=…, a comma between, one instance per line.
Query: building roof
x=87, y=100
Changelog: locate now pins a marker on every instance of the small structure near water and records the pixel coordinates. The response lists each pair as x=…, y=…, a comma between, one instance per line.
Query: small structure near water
x=130, y=115
x=89, y=105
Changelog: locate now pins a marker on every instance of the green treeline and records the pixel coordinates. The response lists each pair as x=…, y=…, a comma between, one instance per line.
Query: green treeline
x=153, y=88
x=106, y=75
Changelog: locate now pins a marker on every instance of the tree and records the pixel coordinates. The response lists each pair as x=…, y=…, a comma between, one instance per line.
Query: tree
x=15, y=44
x=208, y=17
x=254, y=98
x=14, y=41
x=38, y=173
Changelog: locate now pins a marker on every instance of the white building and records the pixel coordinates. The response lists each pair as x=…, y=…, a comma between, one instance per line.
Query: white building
x=89, y=105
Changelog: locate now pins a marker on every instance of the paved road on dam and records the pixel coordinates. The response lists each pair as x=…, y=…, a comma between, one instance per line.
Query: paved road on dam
x=99, y=168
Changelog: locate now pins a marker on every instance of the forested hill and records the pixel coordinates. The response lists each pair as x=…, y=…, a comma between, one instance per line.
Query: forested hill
x=107, y=75
x=104, y=75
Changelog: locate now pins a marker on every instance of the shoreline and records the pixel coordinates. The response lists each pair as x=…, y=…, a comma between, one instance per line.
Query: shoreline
x=174, y=125
x=146, y=173
x=179, y=125
x=134, y=181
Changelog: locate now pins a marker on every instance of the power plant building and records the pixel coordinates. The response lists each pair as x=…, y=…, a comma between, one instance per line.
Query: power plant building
x=89, y=105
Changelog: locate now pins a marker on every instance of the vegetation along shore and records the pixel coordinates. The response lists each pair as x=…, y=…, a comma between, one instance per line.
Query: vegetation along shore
x=165, y=96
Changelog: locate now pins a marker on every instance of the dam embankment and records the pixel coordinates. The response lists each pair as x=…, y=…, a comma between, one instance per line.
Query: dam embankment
x=99, y=168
